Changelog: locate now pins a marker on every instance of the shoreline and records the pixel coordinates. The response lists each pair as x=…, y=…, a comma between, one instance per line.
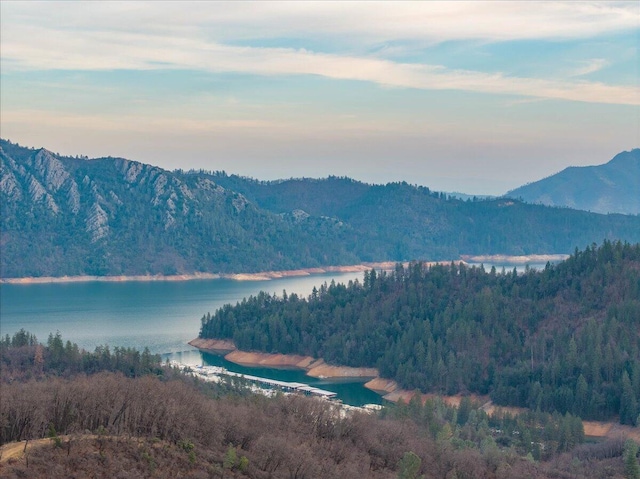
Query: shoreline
x=314, y=367
x=387, y=388
x=270, y=275
x=262, y=276
x=514, y=260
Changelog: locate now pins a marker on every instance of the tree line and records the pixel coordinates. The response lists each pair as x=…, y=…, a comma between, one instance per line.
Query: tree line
x=23, y=357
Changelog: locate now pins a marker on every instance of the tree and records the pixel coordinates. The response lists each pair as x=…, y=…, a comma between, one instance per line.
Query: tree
x=628, y=402
x=230, y=458
x=409, y=466
x=631, y=466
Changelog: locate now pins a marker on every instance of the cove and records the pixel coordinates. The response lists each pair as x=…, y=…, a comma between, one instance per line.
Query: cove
x=162, y=316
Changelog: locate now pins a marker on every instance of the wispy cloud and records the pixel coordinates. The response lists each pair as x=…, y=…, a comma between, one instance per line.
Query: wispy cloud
x=65, y=50
x=590, y=66
x=196, y=35
x=350, y=21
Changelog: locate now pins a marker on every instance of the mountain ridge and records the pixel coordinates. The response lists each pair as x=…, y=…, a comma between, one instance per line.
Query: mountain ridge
x=608, y=188
x=64, y=216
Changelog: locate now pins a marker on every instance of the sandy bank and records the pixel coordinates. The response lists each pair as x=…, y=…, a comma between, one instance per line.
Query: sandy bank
x=500, y=258
x=315, y=367
x=108, y=279
x=270, y=360
x=381, y=385
x=262, y=276
x=610, y=429
x=390, y=391
x=214, y=345
x=327, y=371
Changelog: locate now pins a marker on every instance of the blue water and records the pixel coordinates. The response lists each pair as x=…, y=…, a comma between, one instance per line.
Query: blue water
x=160, y=315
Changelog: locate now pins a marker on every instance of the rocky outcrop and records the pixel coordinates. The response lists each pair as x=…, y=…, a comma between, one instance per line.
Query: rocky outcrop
x=9, y=185
x=97, y=223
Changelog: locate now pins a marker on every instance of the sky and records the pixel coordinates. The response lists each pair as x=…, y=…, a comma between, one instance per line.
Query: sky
x=474, y=97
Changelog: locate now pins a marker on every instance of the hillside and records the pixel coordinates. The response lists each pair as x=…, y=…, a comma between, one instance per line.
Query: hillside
x=112, y=216
x=610, y=188
x=66, y=412
x=401, y=222
x=565, y=339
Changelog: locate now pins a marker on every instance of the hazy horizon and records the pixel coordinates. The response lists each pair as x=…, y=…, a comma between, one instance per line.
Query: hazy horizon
x=469, y=97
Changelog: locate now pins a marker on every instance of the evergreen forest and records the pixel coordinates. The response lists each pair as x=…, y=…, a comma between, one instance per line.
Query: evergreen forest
x=64, y=216
x=564, y=339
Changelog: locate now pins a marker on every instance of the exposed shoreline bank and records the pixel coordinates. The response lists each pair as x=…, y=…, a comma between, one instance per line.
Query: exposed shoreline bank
x=314, y=367
x=269, y=275
x=262, y=276
x=514, y=260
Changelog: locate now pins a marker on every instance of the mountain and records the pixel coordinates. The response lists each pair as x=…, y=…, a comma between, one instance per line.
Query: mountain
x=112, y=216
x=400, y=221
x=67, y=216
x=610, y=188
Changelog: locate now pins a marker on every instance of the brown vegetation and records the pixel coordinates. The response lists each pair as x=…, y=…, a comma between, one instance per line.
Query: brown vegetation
x=122, y=427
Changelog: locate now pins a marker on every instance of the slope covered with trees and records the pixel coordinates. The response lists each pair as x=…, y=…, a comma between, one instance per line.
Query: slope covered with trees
x=111, y=216
x=156, y=422
x=403, y=222
x=68, y=216
x=563, y=339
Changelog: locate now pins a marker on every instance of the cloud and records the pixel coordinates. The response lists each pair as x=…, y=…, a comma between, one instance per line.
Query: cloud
x=350, y=22
x=98, y=36
x=140, y=123
x=38, y=48
x=590, y=66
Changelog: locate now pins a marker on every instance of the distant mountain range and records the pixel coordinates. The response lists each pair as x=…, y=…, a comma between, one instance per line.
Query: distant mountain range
x=112, y=216
x=610, y=188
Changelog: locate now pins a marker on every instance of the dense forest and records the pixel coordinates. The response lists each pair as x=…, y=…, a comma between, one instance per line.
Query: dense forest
x=112, y=216
x=123, y=415
x=564, y=339
x=402, y=222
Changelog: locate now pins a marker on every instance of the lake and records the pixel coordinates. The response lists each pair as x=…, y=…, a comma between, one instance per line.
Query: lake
x=160, y=315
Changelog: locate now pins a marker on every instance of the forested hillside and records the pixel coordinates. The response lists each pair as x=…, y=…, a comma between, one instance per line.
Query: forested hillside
x=564, y=339
x=402, y=222
x=121, y=414
x=111, y=216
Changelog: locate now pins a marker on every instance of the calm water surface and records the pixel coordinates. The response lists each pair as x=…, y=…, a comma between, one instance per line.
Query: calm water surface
x=160, y=315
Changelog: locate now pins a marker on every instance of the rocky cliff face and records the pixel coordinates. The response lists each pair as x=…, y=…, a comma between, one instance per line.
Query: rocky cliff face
x=59, y=186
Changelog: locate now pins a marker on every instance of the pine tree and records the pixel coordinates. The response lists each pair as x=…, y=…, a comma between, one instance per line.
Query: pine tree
x=631, y=466
x=628, y=402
